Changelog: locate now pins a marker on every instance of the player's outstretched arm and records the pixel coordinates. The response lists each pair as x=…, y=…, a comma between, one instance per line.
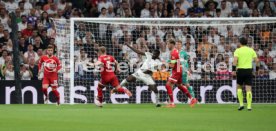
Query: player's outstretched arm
x=136, y=50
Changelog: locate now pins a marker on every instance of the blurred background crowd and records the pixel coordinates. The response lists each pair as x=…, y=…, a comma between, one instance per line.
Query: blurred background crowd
x=206, y=46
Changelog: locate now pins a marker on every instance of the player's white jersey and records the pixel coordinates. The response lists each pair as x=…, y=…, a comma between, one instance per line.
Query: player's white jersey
x=150, y=64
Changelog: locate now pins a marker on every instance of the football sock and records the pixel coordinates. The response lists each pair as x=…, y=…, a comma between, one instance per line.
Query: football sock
x=249, y=99
x=56, y=93
x=191, y=91
x=170, y=93
x=100, y=95
x=185, y=91
x=121, y=90
x=240, y=97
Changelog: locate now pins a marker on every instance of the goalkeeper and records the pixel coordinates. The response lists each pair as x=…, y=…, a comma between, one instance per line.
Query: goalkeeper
x=184, y=58
x=243, y=58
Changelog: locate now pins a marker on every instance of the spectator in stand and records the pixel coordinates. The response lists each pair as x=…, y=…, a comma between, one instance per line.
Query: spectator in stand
x=266, y=58
x=59, y=14
x=45, y=20
x=11, y=6
x=267, y=3
x=18, y=15
x=28, y=32
x=40, y=52
x=145, y=13
x=221, y=44
x=124, y=7
x=251, y=6
x=1, y=30
x=3, y=58
x=8, y=71
x=162, y=74
x=204, y=47
x=225, y=12
x=6, y=37
x=223, y=73
x=5, y=19
x=22, y=45
x=219, y=59
x=213, y=36
x=184, y=5
x=242, y=11
x=160, y=9
x=23, y=24
x=104, y=4
x=262, y=74
x=110, y=12
x=27, y=5
x=22, y=8
x=25, y=72
x=52, y=10
x=33, y=68
x=37, y=44
x=272, y=73
x=153, y=13
x=137, y=8
x=30, y=53
x=38, y=8
x=61, y=5
x=51, y=32
x=47, y=5
x=31, y=39
x=255, y=13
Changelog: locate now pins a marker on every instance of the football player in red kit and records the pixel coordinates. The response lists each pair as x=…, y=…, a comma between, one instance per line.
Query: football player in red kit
x=49, y=65
x=176, y=76
x=108, y=76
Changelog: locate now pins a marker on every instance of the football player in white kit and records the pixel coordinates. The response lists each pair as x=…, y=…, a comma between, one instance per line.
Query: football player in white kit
x=144, y=74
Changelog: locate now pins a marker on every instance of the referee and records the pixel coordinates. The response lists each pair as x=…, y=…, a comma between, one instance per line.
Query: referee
x=243, y=58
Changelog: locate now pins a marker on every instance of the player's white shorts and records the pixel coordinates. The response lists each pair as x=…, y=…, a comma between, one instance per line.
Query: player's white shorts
x=146, y=78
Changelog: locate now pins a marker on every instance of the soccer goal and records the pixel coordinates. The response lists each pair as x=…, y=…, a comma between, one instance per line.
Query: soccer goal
x=210, y=43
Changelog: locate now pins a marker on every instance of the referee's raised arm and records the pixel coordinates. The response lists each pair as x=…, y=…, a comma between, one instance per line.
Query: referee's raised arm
x=243, y=69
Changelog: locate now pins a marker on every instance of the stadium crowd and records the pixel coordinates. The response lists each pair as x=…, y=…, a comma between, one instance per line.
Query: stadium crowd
x=206, y=46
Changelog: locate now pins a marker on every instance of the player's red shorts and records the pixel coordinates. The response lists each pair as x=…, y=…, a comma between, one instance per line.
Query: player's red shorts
x=176, y=77
x=110, y=79
x=52, y=81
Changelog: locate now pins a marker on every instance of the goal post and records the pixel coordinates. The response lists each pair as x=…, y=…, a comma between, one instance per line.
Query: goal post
x=83, y=35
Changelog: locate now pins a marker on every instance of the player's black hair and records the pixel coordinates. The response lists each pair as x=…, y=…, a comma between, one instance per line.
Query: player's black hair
x=243, y=41
x=156, y=51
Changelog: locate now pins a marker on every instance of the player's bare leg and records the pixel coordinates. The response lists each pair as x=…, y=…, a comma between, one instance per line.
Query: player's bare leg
x=157, y=95
x=169, y=86
x=121, y=88
x=45, y=93
x=57, y=95
x=99, y=99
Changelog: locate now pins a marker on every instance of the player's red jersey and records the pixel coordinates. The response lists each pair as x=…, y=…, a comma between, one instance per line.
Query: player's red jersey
x=51, y=65
x=175, y=57
x=107, y=61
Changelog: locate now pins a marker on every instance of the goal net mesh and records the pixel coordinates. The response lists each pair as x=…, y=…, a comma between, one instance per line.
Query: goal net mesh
x=210, y=45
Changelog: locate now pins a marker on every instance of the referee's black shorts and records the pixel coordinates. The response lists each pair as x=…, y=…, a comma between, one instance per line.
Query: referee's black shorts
x=244, y=76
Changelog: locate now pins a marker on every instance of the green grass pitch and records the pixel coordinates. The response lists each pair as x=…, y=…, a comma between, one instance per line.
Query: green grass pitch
x=136, y=117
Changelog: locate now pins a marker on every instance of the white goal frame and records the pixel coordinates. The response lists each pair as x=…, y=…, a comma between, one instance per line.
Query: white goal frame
x=73, y=20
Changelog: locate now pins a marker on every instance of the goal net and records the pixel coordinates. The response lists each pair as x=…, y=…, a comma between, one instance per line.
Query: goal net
x=209, y=42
